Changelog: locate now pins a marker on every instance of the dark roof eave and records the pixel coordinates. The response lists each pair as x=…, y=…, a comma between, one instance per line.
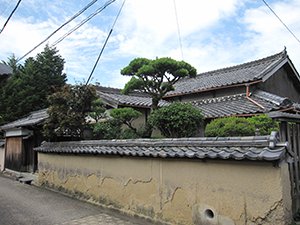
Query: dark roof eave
x=29, y=125
x=248, y=83
x=237, y=115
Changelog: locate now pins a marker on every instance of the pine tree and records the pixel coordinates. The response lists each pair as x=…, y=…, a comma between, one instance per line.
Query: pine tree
x=30, y=84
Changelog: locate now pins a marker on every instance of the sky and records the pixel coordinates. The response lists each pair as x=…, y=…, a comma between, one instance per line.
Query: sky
x=207, y=34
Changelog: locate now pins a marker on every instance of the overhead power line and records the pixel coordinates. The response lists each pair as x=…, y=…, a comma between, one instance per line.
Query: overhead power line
x=64, y=24
x=178, y=29
x=104, y=45
x=10, y=16
x=289, y=30
x=83, y=22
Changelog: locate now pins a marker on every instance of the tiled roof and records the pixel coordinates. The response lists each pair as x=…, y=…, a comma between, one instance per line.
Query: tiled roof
x=4, y=69
x=33, y=118
x=239, y=104
x=284, y=116
x=297, y=106
x=243, y=73
x=258, y=148
x=134, y=99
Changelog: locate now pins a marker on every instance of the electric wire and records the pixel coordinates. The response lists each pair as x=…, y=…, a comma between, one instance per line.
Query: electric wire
x=11, y=14
x=178, y=28
x=289, y=30
x=83, y=22
x=104, y=45
x=60, y=27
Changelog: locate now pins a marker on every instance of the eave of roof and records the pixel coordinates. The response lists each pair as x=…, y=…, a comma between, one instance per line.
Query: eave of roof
x=257, y=148
x=250, y=72
x=33, y=118
x=113, y=97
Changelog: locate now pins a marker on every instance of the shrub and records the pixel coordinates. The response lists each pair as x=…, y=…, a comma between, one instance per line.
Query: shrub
x=238, y=126
x=125, y=116
x=264, y=125
x=110, y=129
x=129, y=134
x=229, y=126
x=177, y=120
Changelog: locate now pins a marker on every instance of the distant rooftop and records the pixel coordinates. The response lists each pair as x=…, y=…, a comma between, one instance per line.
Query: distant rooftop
x=5, y=69
x=114, y=96
x=33, y=118
x=239, y=74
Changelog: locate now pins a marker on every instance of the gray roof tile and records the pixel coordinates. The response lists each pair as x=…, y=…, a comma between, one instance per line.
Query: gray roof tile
x=243, y=73
x=5, y=69
x=235, y=105
x=135, y=99
x=33, y=118
x=236, y=148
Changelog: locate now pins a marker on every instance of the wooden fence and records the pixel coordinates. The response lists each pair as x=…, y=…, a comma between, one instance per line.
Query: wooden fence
x=290, y=132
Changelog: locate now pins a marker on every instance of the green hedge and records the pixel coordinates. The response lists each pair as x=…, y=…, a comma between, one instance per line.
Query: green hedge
x=239, y=126
x=177, y=120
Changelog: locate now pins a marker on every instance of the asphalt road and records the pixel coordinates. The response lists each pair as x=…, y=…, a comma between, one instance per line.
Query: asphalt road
x=22, y=204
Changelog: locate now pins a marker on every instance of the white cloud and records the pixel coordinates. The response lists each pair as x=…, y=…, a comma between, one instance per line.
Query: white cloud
x=214, y=34
x=149, y=27
x=266, y=35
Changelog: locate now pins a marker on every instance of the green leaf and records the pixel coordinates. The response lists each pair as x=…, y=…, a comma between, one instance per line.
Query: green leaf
x=155, y=77
x=177, y=120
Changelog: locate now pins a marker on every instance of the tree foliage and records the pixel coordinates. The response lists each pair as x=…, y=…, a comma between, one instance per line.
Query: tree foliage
x=112, y=127
x=30, y=84
x=155, y=77
x=67, y=112
x=12, y=61
x=238, y=126
x=97, y=110
x=264, y=125
x=125, y=116
x=229, y=126
x=177, y=120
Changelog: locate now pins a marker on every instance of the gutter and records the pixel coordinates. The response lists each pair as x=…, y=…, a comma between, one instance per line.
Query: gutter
x=250, y=99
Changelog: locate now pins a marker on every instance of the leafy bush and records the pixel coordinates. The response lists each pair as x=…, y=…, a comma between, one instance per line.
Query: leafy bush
x=110, y=129
x=129, y=134
x=229, y=126
x=125, y=116
x=238, y=126
x=67, y=112
x=97, y=110
x=264, y=125
x=177, y=120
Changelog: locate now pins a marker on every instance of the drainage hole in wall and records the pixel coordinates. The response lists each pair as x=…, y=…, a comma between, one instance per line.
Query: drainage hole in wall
x=209, y=213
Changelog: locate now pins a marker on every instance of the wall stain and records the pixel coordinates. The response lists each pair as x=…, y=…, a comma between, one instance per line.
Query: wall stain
x=157, y=197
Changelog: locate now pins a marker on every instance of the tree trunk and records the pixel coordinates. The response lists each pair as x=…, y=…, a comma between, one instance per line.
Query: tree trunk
x=155, y=102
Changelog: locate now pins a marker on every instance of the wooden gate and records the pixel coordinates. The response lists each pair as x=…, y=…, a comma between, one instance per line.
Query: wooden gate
x=290, y=132
x=13, y=153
